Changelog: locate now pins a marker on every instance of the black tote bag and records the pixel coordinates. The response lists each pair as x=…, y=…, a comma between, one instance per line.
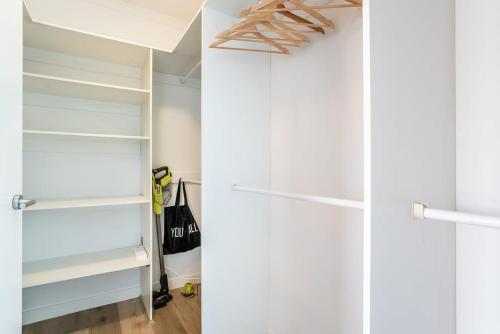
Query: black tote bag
x=181, y=231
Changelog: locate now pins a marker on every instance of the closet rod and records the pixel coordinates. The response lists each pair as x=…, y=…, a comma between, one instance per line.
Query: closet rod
x=187, y=181
x=302, y=197
x=184, y=79
x=421, y=211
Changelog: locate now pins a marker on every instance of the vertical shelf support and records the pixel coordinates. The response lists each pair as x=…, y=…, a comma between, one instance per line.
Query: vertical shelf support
x=146, y=166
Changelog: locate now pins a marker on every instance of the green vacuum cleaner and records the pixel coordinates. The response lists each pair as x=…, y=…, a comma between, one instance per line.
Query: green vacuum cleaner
x=162, y=178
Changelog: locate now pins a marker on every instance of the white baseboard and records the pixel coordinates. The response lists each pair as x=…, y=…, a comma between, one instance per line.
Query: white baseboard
x=177, y=282
x=76, y=305
x=79, y=304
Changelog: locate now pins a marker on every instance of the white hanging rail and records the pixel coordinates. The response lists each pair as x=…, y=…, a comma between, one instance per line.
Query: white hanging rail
x=187, y=181
x=184, y=79
x=346, y=203
x=421, y=211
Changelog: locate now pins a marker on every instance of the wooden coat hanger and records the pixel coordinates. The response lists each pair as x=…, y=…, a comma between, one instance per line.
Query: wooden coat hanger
x=299, y=19
x=314, y=13
x=240, y=32
x=261, y=24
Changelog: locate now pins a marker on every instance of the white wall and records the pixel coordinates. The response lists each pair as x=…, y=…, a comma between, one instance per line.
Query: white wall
x=411, y=59
x=235, y=148
x=478, y=164
x=177, y=144
x=317, y=148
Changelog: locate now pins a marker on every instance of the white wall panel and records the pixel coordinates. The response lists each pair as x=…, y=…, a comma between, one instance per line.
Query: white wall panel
x=478, y=163
x=317, y=148
x=413, y=158
x=235, y=146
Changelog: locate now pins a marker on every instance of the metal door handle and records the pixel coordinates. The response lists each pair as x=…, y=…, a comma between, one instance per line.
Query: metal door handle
x=18, y=203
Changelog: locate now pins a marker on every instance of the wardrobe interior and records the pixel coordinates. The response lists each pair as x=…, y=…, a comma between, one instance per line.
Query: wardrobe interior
x=393, y=106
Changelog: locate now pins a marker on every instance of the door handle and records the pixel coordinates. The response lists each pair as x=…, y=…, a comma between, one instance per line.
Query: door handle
x=18, y=203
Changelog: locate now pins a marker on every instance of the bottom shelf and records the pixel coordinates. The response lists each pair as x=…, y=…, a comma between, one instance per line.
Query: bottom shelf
x=82, y=265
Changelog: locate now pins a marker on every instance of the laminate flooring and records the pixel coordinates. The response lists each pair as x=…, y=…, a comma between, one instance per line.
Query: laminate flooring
x=181, y=316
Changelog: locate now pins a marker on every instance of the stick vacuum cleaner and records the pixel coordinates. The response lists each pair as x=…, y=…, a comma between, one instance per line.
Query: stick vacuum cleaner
x=162, y=177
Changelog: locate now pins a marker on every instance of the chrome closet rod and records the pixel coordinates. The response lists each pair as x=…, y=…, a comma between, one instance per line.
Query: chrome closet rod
x=346, y=203
x=422, y=211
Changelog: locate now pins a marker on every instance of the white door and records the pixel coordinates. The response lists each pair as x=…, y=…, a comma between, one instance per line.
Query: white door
x=11, y=14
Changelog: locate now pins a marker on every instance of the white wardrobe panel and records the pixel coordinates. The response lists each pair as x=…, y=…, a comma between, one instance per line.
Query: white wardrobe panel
x=478, y=163
x=235, y=146
x=58, y=233
x=317, y=148
x=411, y=58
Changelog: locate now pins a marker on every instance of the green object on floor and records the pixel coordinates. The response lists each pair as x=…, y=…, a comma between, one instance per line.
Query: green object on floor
x=190, y=290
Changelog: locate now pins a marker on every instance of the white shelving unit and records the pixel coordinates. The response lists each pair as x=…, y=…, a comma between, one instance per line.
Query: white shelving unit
x=82, y=265
x=71, y=203
x=51, y=85
x=87, y=128
x=65, y=135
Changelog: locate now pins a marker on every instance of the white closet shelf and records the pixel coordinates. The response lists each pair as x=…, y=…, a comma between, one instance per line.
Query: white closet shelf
x=46, y=84
x=83, y=265
x=96, y=136
x=68, y=203
x=42, y=36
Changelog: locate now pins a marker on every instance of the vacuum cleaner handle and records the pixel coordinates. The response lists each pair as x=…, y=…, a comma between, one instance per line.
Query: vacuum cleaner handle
x=160, y=173
x=157, y=170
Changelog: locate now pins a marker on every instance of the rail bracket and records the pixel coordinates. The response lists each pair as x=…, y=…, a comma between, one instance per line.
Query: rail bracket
x=417, y=210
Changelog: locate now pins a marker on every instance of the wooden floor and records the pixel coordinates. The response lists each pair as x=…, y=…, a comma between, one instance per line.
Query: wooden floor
x=181, y=316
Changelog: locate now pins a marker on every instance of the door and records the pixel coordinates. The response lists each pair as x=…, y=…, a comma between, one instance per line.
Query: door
x=11, y=14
